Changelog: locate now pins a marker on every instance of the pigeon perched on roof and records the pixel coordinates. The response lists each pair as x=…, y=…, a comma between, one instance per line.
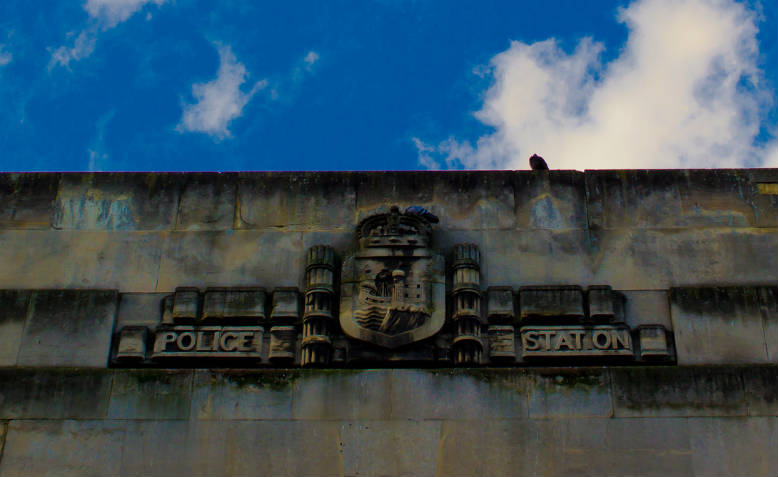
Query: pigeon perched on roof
x=537, y=163
x=420, y=211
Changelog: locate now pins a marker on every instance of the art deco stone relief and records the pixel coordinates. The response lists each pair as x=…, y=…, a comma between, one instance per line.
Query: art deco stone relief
x=393, y=298
x=393, y=287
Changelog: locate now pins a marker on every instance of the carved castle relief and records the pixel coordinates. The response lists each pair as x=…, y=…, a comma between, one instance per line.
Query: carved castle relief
x=394, y=298
x=391, y=285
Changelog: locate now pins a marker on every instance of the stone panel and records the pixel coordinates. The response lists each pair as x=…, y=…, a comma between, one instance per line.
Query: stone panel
x=761, y=387
x=419, y=394
x=160, y=448
x=724, y=198
x=207, y=201
x=520, y=258
x=80, y=259
x=13, y=312
x=718, y=326
x=343, y=395
x=151, y=394
x=623, y=447
x=227, y=259
x=768, y=306
x=633, y=199
x=550, y=200
x=231, y=448
x=206, y=450
x=378, y=448
x=649, y=259
x=735, y=446
x=117, y=201
x=69, y=328
x=375, y=192
x=467, y=201
x=670, y=391
x=647, y=307
x=296, y=201
x=500, y=447
x=243, y=395
x=63, y=448
x=139, y=309
x=27, y=200
x=54, y=394
x=567, y=392
x=277, y=448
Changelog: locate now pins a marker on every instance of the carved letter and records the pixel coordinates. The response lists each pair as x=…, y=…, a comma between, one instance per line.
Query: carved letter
x=578, y=335
x=190, y=344
x=600, y=344
x=160, y=344
x=548, y=335
x=529, y=341
x=244, y=340
x=201, y=342
x=232, y=346
x=620, y=337
x=562, y=340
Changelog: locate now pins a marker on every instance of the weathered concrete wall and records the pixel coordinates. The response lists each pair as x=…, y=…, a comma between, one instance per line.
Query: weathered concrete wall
x=586, y=421
x=82, y=255
x=154, y=232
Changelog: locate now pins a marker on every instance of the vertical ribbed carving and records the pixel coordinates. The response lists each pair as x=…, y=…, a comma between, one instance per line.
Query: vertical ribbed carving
x=466, y=296
x=319, y=301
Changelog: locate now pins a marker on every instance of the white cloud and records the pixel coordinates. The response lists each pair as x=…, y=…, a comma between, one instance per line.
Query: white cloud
x=103, y=15
x=219, y=101
x=112, y=12
x=310, y=58
x=5, y=56
x=82, y=47
x=685, y=91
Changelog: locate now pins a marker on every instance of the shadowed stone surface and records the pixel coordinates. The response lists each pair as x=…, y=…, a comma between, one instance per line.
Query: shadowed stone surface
x=117, y=201
x=54, y=394
x=296, y=201
x=27, y=200
x=207, y=202
x=343, y=395
x=69, y=328
x=238, y=395
x=480, y=394
x=390, y=447
x=727, y=446
x=718, y=325
x=570, y=393
x=689, y=391
x=63, y=448
x=151, y=394
x=13, y=312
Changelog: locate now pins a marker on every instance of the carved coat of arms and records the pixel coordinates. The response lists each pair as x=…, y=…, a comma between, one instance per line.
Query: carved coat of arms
x=393, y=286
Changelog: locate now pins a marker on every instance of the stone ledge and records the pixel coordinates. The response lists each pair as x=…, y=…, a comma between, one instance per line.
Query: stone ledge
x=592, y=446
x=388, y=394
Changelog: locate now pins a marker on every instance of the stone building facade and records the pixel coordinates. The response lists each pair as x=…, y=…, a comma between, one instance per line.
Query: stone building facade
x=430, y=323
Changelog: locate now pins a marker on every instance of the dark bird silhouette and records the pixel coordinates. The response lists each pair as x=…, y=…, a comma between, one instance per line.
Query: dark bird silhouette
x=537, y=163
x=422, y=212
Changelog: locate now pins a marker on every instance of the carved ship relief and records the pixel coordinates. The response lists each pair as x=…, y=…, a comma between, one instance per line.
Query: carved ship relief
x=390, y=284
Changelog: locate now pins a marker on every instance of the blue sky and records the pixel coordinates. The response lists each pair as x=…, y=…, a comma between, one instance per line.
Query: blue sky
x=169, y=85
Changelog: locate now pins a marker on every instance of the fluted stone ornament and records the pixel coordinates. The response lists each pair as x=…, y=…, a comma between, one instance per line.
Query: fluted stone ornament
x=319, y=302
x=466, y=297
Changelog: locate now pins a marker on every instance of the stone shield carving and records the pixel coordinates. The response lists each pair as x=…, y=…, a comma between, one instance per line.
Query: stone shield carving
x=393, y=286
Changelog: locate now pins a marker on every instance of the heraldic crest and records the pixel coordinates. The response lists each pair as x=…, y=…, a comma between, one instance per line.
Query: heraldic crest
x=393, y=286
